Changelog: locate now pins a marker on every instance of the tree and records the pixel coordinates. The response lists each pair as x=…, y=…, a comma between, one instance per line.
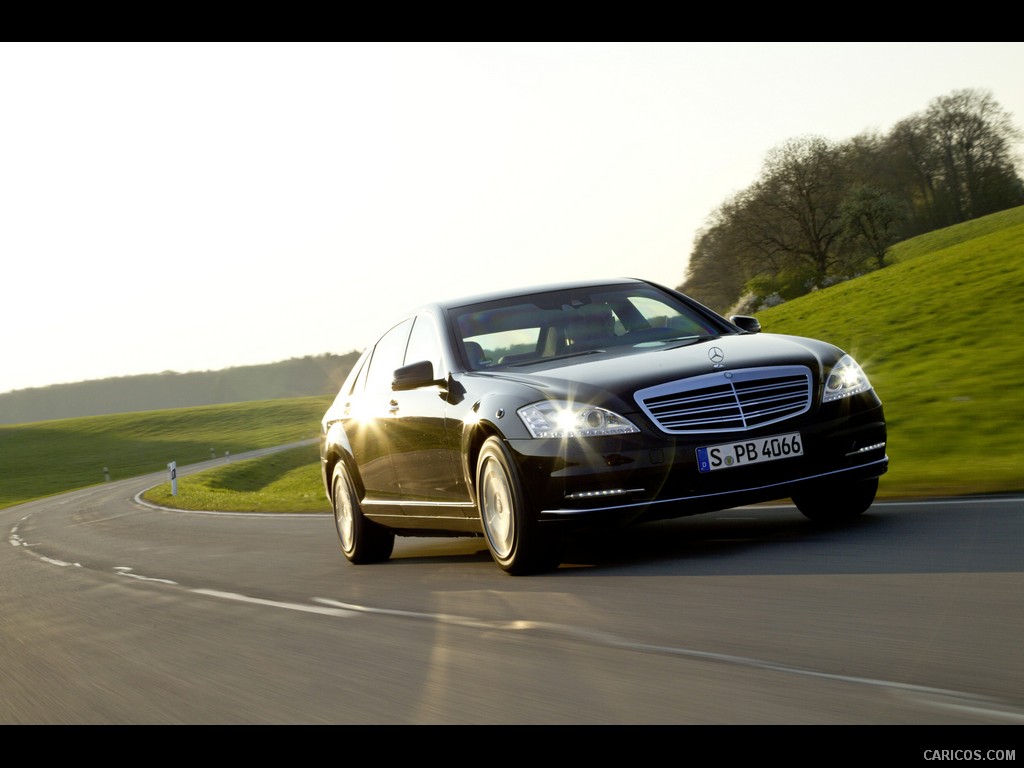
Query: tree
x=824, y=211
x=956, y=159
x=795, y=211
x=912, y=162
x=972, y=136
x=715, y=274
x=870, y=220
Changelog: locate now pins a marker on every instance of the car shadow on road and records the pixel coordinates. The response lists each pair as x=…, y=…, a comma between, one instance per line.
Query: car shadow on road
x=738, y=541
x=777, y=540
x=735, y=542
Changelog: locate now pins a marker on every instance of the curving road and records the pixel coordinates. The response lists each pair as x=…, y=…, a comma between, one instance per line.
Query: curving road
x=118, y=613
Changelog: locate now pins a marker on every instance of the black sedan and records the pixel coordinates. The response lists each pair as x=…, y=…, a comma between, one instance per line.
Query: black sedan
x=525, y=416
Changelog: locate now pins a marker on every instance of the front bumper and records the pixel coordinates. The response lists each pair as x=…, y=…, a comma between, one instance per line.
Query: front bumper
x=650, y=476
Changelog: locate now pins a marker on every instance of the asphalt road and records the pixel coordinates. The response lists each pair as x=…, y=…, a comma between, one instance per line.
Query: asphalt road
x=118, y=613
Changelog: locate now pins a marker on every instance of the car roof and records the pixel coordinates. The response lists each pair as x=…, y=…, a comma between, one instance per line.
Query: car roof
x=530, y=290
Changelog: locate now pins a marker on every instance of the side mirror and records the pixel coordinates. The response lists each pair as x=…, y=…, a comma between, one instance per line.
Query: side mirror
x=746, y=323
x=414, y=376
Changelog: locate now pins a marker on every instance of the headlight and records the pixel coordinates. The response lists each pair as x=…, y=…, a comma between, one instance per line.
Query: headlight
x=847, y=378
x=556, y=418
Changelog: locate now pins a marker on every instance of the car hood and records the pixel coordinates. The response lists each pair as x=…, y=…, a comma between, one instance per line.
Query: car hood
x=614, y=375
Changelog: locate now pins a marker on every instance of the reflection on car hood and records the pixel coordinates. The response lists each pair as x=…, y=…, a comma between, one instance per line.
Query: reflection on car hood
x=627, y=369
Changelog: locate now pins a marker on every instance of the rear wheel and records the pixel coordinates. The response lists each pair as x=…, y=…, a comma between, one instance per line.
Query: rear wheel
x=362, y=540
x=513, y=534
x=833, y=504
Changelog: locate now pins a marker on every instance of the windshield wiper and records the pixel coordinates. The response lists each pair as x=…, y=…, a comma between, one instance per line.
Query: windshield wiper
x=687, y=341
x=558, y=357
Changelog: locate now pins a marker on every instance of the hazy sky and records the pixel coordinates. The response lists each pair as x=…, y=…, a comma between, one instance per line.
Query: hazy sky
x=180, y=206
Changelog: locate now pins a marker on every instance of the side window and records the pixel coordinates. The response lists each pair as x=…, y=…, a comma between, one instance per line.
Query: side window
x=387, y=356
x=423, y=345
x=356, y=379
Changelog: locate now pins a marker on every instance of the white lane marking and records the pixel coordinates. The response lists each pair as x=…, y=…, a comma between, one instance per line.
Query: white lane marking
x=443, y=618
x=124, y=570
x=17, y=541
x=273, y=603
x=958, y=702
x=934, y=696
x=61, y=563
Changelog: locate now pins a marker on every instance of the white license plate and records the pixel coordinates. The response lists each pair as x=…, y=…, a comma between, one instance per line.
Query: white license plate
x=753, y=451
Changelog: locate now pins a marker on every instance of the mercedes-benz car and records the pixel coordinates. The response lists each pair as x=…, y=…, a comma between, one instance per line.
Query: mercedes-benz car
x=528, y=416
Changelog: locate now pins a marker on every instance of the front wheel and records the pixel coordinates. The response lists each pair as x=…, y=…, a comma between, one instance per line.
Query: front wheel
x=513, y=536
x=362, y=540
x=834, y=504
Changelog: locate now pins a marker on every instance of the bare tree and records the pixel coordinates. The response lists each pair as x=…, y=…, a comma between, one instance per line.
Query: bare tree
x=912, y=161
x=957, y=159
x=870, y=220
x=824, y=211
x=797, y=208
x=716, y=274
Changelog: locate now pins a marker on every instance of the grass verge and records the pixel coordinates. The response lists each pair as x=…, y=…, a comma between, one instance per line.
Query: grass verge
x=283, y=482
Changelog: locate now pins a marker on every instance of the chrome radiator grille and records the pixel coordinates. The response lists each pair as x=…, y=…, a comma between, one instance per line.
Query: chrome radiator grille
x=728, y=401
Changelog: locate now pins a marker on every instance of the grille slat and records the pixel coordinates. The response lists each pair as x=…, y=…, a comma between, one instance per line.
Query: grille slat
x=728, y=400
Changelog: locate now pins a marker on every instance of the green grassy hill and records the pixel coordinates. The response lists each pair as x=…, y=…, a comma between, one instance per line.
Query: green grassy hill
x=934, y=332
x=936, y=335
x=50, y=457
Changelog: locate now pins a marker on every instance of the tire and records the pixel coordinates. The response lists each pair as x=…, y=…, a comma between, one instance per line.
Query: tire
x=512, y=532
x=834, y=504
x=362, y=540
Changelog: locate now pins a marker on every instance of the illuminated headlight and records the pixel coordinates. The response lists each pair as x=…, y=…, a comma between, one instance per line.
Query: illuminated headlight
x=846, y=379
x=553, y=418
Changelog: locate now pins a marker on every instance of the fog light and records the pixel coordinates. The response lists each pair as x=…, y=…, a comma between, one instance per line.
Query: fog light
x=602, y=493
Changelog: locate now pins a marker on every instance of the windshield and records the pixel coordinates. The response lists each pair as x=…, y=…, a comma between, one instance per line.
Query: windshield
x=534, y=328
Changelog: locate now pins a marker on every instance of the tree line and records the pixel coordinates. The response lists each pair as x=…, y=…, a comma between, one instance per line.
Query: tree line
x=298, y=377
x=825, y=211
